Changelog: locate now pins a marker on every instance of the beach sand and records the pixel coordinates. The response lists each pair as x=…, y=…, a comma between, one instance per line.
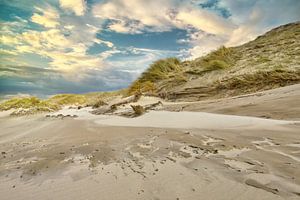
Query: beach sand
x=159, y=155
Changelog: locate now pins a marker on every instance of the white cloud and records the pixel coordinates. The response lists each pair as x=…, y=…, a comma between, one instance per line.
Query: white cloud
x=65, y=55
x=138, y=16
x=123, y=27
x=254, y=18
x=62, y=45
x=76, y=6
x=46, y=17
x=7, y=52
x=248, y=19
x=8, y=40
x=139, y=12
x=203, y=20
x=204, y=43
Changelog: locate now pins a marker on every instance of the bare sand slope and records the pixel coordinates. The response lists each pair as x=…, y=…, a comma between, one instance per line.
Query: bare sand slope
x=203, y=156
x=201, y=120
x=280, y=103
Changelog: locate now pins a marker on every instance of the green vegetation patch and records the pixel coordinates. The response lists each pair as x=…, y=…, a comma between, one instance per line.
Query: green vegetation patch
x=159, y=70
x=28, y=105
x=68, y=99
x=260, y=80
x=220, y=59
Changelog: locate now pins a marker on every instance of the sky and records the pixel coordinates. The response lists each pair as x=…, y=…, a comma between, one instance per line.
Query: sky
x=79, y=46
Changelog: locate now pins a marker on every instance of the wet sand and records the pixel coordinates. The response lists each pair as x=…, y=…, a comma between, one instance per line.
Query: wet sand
x=160, y=155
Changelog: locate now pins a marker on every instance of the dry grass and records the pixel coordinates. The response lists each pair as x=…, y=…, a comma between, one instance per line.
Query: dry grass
x=220, y=59
x=98, y=104
x=260, y=80
x=158, y=71
x=68, y=99
x=28, y=105
x=34, y=105
x=138, y=110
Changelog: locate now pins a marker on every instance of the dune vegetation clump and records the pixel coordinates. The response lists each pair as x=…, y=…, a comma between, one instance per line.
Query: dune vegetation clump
x=158, y=71
x=220, y=59
x=28, y=105
x=138, y=110
x=34, y=105
x=138, y=87
x=68, y=99
x=98, y=104
x=216, y=65
x=260, y=80
x=19, y=103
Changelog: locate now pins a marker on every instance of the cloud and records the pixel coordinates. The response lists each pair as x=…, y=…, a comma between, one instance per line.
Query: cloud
x=203, y=43
x=7, y=52
x=244, y=20
x=76, y=6
x=144, y=13
x=43, y=82
x=133, y=17
x=8, y=40
x=254, y=17
x=62, y=45
x=203, y=20
x=65, y=55
x=46, y=17
x=126, y=27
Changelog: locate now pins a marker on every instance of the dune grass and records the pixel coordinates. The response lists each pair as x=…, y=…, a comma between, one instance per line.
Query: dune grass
x=34, y=105
x=260, y=80
x=28, y=105
x=159, y=70
x=68, y=99
x=220, y=59
x=142, y=87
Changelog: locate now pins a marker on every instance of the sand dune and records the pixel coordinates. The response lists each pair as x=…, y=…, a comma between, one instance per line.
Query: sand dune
x=280, y=103
x=159, y=155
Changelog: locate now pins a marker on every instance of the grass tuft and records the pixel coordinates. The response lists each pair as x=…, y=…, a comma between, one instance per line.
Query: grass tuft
x=68, y=99
x=159, y=70
x=28, y=105
x=220, y=59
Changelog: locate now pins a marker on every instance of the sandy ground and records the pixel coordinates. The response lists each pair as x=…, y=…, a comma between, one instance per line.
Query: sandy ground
x=280, y=103
x=160, y=155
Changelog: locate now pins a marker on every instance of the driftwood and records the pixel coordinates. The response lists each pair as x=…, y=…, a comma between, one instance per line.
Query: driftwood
x=105, y=109
x=138, y=110
x=99, y=104
x=130, y=99
x=153, y=105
